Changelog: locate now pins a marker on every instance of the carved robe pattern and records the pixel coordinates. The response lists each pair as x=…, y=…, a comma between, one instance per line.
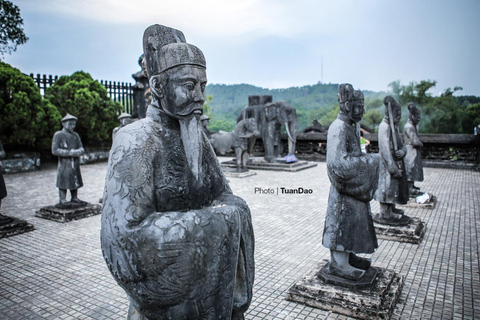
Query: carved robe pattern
x=181, y=248
x=354, y=176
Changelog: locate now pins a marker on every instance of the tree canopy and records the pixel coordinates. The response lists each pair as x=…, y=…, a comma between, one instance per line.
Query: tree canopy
x=11, y=31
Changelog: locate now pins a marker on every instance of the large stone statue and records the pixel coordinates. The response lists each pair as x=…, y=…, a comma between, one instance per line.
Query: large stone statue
x=173, y=235
x=392, y=184
x=124, y=119
x=67, y=146
x=413, y=159
x=353, y=175
x=3, y=189
x=237, y=139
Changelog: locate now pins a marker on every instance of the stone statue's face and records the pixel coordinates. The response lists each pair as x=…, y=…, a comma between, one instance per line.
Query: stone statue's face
x=125, y=121
x=69, y=125
x=397, y=113
x=185, y=91
x=416, y=117
x=357, y=110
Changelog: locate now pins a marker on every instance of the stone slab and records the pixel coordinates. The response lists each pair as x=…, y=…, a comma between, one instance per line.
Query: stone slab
x=68, y=214
x=14, y=227
x=258, y=163
x=374, y=302
x=232, y=173
x=428, y=205
x=413, y=233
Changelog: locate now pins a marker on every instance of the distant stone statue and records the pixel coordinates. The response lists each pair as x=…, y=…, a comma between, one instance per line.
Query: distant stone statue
x=3, y=189
x=67, y=146
x=124, y=119
x=141, y=90
x=354, y=176
x=392, y=184
x=237, y=140
x=205, y=120
x=413, y=159
x=173, y=235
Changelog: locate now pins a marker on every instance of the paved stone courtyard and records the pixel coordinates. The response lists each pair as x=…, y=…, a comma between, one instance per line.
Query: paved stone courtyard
x=58, y=272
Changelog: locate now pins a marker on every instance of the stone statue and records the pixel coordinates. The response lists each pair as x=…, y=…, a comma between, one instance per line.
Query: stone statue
x=124, y=119
x=173, y=235
x=205, y=120
x=141, y=90
x=3, y=189
x=354, y=176
x=223, y=141
x=67, y=146
x=413, y=159
x=392, y=184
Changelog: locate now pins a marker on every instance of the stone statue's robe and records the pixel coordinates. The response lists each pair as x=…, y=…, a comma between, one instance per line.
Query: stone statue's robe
x=390, y=190
x=181, y=248
x=68, y=176
x=3, y=189
x=413, y=159
x=354, y=176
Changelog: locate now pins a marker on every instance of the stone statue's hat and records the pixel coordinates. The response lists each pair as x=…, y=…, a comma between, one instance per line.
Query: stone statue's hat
x=345, y=92
x=69, y=117
x=165, y=48
x=124, y=115
x=204, y=117
x=358, y=95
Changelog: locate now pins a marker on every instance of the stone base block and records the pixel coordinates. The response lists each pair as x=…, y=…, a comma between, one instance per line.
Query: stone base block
x=68, y=214
x=430, y=204
x=233, y=173
x=412, y=233
x=374, y=302
x=14, y=226
x=258, y=163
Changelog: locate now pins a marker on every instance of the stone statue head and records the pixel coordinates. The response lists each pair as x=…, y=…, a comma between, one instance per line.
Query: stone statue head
x=125, y=119
x=395, y=107
x=69, y=122
x=414, y=113
x=345, y=99
x=176, y=72
x=358, y=106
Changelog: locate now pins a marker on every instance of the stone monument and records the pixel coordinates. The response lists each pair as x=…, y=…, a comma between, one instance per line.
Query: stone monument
x=124, y=119
x=348, y=284
x=9, y=226
x=68, y=147
x=173, y=235
x=391, y=223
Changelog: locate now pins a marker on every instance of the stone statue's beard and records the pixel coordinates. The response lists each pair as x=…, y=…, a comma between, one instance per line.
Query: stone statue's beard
x=192, y=143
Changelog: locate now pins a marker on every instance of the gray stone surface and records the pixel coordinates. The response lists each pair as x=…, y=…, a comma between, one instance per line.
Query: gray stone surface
x=21, y=162
x=413, y=232
x=68, y=214
x=58, y=272
x=13, y=226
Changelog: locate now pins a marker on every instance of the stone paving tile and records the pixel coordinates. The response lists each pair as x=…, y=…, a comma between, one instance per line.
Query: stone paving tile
x=58, y=272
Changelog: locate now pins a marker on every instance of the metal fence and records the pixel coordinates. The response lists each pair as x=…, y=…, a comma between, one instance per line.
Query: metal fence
x=121, y=92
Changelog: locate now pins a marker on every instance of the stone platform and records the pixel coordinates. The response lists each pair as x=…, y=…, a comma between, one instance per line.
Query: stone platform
x=15, y=226
x=259, y=163
x=233, y=173
x=430, y=204
x=67, y=214
x=411, y=233
x=373, y=302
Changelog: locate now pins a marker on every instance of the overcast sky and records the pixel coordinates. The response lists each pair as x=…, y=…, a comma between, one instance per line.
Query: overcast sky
x=267, y=43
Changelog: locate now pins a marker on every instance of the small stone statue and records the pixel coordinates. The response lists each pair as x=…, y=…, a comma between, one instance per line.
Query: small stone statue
x=205, y=122
x=413, y=159
x=141, y=90
x=353, y=175
x=3, y=189
x=173, y=235
x=67, y=146
x=392, y=184
x=124, y=119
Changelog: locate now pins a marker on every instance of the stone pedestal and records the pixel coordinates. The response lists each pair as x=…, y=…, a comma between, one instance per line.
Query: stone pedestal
x=233, y=173
x=376, y=301
x=430, y=204
x=14, y=226
x=258, y=163
x=68, y=213
x=411, y=233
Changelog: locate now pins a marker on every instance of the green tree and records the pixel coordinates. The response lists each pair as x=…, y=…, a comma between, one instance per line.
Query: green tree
x=11, y=31
x=327, y=119
x=372, y=118
x=27, y=121
x=88, y=100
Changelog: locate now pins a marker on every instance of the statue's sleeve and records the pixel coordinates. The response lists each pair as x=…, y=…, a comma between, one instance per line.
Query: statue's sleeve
x=56, y=149
x=384, y=142
x=412, y=135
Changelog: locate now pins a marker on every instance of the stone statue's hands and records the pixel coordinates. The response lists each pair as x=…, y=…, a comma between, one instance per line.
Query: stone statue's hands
x=398, y=174
x=399, y=154
x=82, y=151
x=75, y=152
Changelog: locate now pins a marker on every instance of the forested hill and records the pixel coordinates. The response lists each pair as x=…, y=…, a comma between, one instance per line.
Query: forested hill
x=311, y=101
